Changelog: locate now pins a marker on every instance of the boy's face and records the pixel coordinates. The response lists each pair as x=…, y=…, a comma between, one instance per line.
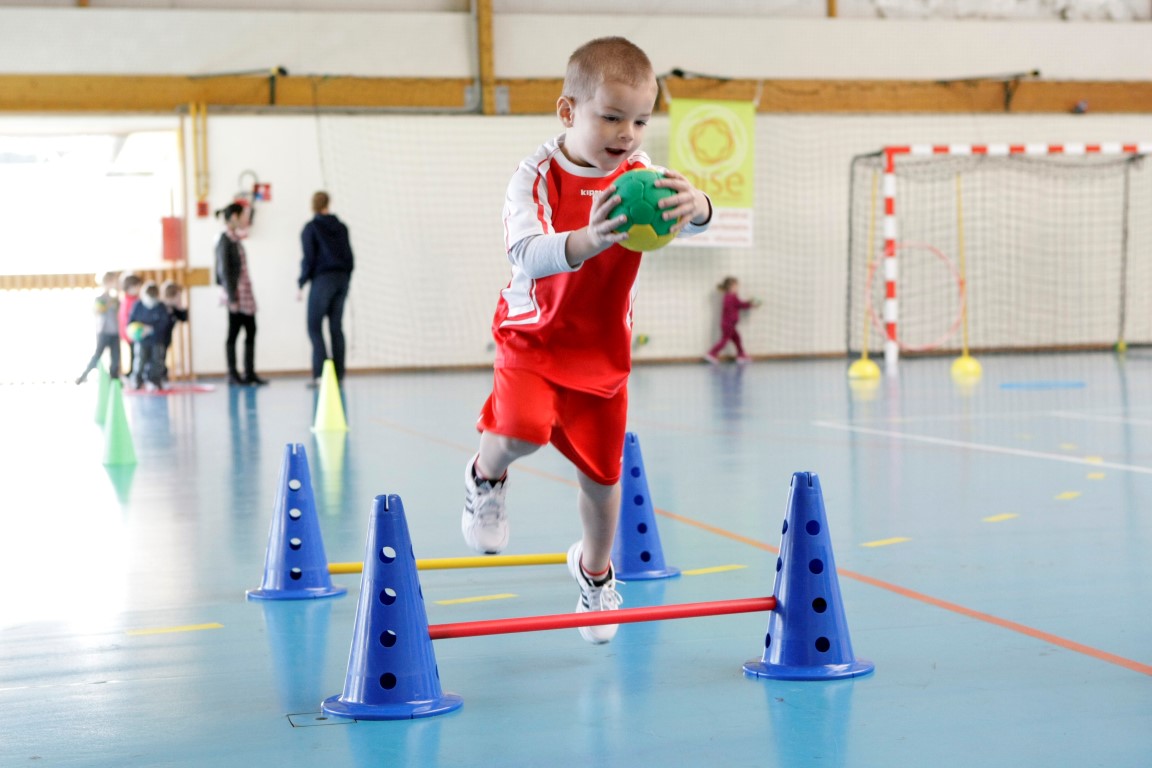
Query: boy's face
x=604, y=130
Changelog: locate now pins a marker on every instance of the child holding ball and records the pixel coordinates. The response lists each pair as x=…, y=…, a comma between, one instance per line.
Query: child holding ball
x=563, y=323
x=107, y=309
x=151, y=347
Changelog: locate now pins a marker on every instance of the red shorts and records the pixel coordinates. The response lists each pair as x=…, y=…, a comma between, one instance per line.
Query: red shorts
x=587, y=429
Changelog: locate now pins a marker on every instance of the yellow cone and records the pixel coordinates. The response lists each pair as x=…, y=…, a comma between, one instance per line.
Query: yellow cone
x=864, y=370
x=966, y=368
x=329, y=404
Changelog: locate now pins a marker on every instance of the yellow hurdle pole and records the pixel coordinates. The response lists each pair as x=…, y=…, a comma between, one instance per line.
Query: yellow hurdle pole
x=482, y=561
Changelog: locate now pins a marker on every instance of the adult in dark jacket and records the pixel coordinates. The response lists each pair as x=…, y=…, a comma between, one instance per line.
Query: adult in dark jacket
x=327, y=264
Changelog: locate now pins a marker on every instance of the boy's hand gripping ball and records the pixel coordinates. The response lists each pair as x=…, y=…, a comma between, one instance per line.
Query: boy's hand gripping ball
x=639, y=201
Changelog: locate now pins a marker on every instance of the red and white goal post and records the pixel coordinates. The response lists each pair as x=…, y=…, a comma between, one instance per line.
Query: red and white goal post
x=998, y=246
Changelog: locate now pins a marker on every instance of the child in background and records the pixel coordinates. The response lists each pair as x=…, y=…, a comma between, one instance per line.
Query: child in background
x=171, y=297
x=130, y=283
x=729, y=317
x=236, y=291
x=107, y=308
x=153, y=315
x=563, y=323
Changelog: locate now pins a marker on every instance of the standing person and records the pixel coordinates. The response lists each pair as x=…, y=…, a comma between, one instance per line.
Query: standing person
x=327, y=264
x=150, y=312
x=563, y=323
x=130, y=283
x=729, y=317
x=170, y=297
x=232, y=277
x=107, y=309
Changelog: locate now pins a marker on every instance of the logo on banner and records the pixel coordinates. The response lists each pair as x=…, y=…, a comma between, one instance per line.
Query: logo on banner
x=712, y=143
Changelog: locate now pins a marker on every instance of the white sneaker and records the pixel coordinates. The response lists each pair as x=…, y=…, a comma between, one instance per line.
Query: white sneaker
x=711, y=359
x=593, y=597
x=484, y=522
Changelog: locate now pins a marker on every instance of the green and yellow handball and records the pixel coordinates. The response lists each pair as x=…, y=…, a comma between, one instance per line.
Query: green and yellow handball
x=640, y=202
x=135, y=331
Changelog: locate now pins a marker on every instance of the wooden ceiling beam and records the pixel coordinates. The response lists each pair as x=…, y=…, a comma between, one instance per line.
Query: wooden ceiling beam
x=158, y=94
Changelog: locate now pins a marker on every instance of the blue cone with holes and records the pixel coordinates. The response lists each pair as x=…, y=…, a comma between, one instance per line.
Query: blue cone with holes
x=636, y=552
x=295, y=566
x=392, y=673
x=807, y=637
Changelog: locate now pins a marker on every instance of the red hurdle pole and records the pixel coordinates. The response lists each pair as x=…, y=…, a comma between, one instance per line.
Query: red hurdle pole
x=622, y=616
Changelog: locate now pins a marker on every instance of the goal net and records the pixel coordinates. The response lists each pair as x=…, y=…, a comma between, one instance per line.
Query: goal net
x=999, y=248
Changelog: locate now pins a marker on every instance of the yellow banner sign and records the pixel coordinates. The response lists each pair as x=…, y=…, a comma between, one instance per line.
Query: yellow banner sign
x=713, y=144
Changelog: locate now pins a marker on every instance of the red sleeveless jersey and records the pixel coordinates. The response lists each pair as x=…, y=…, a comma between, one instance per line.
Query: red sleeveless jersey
x=573, y=328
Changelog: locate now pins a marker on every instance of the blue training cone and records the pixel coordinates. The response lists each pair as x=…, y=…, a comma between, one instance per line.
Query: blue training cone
x=295, y=566
x=807, y=637
x=392, y=673
x=636, y=552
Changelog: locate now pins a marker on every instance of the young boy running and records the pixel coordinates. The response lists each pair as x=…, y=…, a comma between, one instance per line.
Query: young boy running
x=563, y=324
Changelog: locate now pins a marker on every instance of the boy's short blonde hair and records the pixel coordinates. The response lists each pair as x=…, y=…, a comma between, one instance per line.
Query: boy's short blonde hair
x=604, y=60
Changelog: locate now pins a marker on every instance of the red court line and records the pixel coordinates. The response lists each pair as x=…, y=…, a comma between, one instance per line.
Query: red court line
x=1071, y=645
x=1013, y=626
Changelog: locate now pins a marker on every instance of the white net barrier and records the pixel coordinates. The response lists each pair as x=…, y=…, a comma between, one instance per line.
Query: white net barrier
x=1048, y=251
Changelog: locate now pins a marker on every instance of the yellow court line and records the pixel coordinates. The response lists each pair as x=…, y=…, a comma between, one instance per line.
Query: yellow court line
x=713, y=569
x=1067, y=495
x=1095, y=475
x=1000, y=518
x=1094, y=459
x=886, y=542
x=480, y=599
x=167, y=630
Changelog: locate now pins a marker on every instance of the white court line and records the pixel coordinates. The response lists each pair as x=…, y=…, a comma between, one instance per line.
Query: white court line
x=982, y=447
x=1109, y=419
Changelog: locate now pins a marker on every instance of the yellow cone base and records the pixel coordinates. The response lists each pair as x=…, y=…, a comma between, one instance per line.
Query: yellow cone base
x=965, y=368
x=864, y=369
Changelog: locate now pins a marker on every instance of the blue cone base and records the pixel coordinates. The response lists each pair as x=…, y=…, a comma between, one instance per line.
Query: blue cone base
x=296, y=594
x=663, y=573
x=858, y=668
x=449, y=702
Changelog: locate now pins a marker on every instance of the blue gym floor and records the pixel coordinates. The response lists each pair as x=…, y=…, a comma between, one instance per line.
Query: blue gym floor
x=993, y=545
